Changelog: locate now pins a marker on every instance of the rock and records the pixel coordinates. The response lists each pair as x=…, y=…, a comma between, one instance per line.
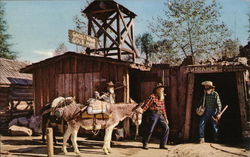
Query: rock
x=34, y=124
x=20, y=131
x=13, y=122
x=22, y=121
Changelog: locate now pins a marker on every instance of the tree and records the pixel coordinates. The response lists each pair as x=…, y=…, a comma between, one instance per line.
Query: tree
x=5, y=51
x=193, y=27
x=61, y=49
x=145, y=44
x=81, y=23
x=230, y=49
x=156, y=52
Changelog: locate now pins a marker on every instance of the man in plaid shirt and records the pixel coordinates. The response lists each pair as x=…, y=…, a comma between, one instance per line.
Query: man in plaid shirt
x=155, y=104
x=212, y=109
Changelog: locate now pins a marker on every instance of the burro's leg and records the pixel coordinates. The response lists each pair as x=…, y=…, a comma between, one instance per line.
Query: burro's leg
x=74, y=139
x=107, y=139
x=65, y=138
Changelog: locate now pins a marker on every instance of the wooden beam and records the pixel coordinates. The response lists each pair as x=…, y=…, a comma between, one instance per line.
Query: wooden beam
x=118, y=33
x=89, y=32
x=124, y=29
x=99, y=33
x=128, y=50
x=50, y=146
x=126, y=99
x=104, y=41
x=102, y=11
x=190, y=90
x=242, y=99
x=122, y=52
x=133, y=38
x=127, y=28
x=129, y=45
x=95, y=33
x=103, y=49
x=104, y=31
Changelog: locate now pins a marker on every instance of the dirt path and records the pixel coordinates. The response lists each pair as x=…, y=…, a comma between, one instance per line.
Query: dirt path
x=32, y=146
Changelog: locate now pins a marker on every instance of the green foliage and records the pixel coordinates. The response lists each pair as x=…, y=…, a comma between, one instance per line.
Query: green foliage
x=230, y=49
x=145, y=43
x=5, y=51
x=156, y=52
x=192, y=26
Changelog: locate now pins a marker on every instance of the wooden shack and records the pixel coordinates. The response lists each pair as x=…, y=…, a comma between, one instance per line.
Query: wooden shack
x=184, y=91
x=15, y=87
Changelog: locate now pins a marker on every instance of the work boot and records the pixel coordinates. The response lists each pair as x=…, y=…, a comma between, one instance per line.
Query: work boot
x=145, y=146
x=163, y=147
x=202, y=140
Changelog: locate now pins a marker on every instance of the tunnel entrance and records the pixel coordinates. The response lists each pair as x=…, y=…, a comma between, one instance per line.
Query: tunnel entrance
x=230, y=123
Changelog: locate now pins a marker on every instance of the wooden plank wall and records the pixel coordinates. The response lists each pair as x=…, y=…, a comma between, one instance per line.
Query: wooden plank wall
x=4, y=96
x=76, y=76
x=176, y=80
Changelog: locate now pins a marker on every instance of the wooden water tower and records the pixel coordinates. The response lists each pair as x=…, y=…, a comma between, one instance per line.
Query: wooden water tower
x=113, y=25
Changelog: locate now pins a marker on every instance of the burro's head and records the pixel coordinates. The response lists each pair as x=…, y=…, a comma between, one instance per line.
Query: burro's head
x=136, y=115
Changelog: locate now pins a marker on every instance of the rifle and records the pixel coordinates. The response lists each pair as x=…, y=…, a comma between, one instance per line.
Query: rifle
x=217, y=118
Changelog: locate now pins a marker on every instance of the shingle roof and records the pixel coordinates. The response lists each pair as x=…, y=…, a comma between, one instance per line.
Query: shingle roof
x=9, y=73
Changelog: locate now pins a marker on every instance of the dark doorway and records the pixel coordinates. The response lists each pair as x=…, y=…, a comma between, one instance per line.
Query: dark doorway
x=230, y=124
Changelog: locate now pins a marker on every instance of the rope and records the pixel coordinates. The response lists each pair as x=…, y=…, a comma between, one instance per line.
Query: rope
x=228, y=151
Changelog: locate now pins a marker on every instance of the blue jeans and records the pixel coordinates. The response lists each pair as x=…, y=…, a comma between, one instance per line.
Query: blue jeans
x=209, y=112
x=154, y=118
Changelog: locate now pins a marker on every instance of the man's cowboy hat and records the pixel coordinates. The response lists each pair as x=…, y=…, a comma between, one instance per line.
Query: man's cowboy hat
x=110, y=84
x=207, y=83
x=159, y=85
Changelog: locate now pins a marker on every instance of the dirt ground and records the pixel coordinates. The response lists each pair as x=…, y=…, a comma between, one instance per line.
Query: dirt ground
x=32, y=146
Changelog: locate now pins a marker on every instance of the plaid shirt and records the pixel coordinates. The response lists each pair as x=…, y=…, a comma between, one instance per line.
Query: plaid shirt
x=212, y=101
x=154, y=104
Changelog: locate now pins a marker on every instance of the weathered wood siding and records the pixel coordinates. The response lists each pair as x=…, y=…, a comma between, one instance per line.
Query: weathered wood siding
x=4, y=97
x=15, y=93
x=180, y=90
x=76, y=76
x=176, y=81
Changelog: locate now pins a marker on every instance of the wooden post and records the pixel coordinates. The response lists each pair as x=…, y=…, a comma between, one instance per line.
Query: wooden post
x=50, y=146
x=126, y=125
x=242, y=99
x=118, y=34
x=190, y=90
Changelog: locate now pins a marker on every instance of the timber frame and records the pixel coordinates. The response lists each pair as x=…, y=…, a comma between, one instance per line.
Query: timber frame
x=113, y=25
x=240, y=76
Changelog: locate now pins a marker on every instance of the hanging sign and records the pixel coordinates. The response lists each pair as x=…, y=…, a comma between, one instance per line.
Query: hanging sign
x=82, y=39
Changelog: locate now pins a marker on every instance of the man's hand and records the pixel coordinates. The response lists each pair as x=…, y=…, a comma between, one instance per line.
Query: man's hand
x=218, y=116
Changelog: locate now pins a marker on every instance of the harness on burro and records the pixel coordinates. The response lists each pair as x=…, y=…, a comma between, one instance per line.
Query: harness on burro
x=94, y=109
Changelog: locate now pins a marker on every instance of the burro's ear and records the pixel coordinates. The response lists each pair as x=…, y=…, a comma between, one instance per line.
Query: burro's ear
x=74, y=97
x=141, y=104
x=131, y=100
x=135, y=108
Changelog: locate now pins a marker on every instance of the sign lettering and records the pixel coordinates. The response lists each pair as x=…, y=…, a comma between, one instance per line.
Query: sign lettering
x=82, y=39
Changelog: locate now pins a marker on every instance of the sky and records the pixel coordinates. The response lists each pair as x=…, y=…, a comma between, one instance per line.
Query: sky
x=37, y=27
